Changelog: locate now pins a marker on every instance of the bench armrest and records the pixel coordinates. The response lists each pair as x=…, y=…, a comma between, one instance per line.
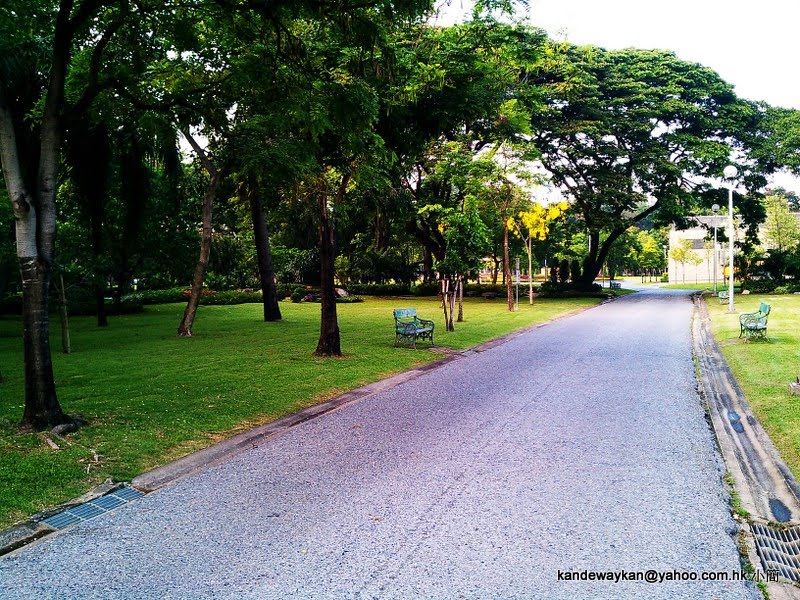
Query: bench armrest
x=426, y=323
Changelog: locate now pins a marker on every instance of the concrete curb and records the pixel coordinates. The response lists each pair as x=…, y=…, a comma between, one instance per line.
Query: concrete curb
x=761, y=477
x=221, y=451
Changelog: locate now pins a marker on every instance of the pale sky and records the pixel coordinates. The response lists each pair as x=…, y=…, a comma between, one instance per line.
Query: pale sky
x=753, y=45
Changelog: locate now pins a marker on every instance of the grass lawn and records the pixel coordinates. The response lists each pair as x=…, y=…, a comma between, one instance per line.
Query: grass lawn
x=764, y=369
x=152, y=397
x=693, y=286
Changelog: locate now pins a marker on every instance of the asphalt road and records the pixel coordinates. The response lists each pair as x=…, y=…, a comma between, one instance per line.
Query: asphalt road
x=579, y=446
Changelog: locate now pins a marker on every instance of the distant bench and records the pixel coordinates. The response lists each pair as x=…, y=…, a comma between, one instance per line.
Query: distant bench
x=754, y=325
x=409, y=327
x=615, y=285
x=723, y=296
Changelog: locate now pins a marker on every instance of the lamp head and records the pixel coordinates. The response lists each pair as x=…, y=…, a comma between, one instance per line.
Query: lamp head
x=715, y=208
x=730, y=172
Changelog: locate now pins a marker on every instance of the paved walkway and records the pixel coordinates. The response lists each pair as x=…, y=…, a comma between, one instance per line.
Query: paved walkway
x=580, y=445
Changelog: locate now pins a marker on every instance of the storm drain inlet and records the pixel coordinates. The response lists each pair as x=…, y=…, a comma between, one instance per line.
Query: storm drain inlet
x=94, y=508
x=779, y=549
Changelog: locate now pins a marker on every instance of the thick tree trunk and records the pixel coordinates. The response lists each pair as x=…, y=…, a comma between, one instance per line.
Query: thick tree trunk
x=329, y=337
x=185, y=328
x=445, y=302
x=495, y=269
x=596, y=258
x=266, y=272
x=42, y=410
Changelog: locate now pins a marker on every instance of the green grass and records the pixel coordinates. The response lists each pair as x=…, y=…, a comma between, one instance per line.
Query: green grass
x=764, y=369
x=691, y=286
x=151, y=397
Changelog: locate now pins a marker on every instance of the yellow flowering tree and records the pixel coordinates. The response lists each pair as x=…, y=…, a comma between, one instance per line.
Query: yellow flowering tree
x=534, y=224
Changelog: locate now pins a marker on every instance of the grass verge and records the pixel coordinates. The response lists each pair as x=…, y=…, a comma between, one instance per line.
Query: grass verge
x=152, y=397
x=764, y=369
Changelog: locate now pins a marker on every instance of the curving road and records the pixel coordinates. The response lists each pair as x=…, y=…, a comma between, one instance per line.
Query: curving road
x=578, y=446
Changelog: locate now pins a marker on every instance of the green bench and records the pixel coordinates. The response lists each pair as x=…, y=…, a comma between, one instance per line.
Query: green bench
x=410, y=328
x=754, y=325
x=723, y=296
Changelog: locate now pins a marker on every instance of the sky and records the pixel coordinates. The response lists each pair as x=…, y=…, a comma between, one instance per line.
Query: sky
x=753, y=45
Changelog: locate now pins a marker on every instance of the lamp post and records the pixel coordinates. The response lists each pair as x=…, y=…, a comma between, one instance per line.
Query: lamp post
x=715, y=209
x=666, y=258
x=730, y=173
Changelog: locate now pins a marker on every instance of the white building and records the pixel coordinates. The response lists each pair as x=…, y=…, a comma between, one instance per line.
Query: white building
x=699, y=268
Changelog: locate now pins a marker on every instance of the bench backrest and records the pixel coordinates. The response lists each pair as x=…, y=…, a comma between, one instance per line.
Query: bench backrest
x=763, y=308
x=405, y=313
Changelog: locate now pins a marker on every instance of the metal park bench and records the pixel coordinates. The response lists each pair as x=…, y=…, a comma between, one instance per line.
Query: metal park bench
x=409, y=327
x=754, y=325
x=615, y=285
x=723, y=296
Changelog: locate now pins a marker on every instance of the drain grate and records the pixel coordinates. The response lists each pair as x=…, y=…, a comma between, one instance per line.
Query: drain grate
x=779, y=549
x=95, y=508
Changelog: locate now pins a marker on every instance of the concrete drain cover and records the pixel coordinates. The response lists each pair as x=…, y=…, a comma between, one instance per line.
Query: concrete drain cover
x=779, y=549
x=95, y=508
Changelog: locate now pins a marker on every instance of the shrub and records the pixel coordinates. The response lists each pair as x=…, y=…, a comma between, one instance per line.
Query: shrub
x=481, y=288
x=349, y=299
x=782, y=289
x=760, y=286
x=378, y=289
x=430, y=288
x=158, y=296
x=575, y=269
x=563, y=271
x=297, y=297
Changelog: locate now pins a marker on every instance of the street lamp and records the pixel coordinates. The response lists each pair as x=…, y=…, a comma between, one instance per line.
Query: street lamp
x=666, y=258
x=715, y=209
x=730, y=172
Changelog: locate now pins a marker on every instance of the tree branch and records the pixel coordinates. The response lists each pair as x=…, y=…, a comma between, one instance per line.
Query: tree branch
x=9, y=160
x=207, y=163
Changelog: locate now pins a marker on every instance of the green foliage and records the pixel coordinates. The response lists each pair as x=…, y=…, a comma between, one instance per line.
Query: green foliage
x=430, y=288
x=781, y=229
x=379, y=289
x=563, y=271
x=467, y=243
x=208, y=297
x=575, y=268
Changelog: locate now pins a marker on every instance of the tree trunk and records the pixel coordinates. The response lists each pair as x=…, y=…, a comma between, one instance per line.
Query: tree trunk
x=445, y=295
x=595, y=260
x=530, y=270
x=66, y=344
x=100, y=302
x=507, y=267
x=496, y=269
x=427, y=264
x=460, y=318
x=450, y=326
x=266, y=272
x=185, y=328
x=329, y=338
x=42, y=410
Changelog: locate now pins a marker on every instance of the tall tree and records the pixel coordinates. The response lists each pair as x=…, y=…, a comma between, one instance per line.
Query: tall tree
x=632, y=134
x=59, y=40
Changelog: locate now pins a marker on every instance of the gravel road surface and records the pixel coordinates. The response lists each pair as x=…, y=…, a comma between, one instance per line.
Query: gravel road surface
x=579, y=446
